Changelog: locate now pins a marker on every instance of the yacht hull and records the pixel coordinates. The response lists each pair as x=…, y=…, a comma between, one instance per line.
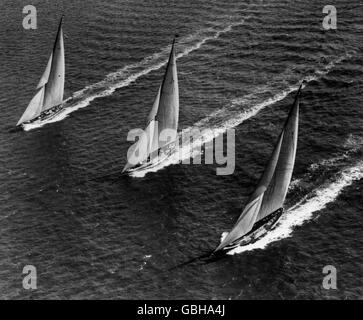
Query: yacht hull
x=45, y=116
x=163, y=155
x=146, y=166
x=259, y=229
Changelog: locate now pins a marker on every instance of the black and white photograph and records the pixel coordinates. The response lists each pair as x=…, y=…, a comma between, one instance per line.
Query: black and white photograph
x=168, y=150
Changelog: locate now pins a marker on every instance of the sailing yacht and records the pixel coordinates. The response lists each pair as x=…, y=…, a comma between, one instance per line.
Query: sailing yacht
x=47, y=102
x=163, y=117
x=265, y=205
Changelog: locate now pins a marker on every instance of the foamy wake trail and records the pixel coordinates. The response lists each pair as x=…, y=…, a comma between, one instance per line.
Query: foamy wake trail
x=304, y=210
x=231, y=116
x=127, y=75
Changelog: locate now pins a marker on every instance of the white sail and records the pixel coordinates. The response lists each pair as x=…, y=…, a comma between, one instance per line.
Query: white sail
x=150, y=137
x=44, y=79
x=153, y=142
x=54, y=88
x=275, y=194
x=168, y=110
x=34, y=108
x=244, y=223
x=269, y=170
x=271, y=190
x=164, y=113
x=51, y=84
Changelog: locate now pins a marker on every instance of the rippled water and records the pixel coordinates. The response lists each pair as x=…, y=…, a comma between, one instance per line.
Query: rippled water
x=93, y=234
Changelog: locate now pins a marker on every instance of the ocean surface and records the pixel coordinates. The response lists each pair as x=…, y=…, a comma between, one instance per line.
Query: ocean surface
x=92, y=233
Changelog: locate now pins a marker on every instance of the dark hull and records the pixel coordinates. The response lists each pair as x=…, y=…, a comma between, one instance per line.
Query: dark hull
x=163, y=154
x=47, y=114
x=259, y=229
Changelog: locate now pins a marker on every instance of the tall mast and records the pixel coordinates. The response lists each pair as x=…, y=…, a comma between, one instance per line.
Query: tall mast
x=51, y=85
x=270, y=192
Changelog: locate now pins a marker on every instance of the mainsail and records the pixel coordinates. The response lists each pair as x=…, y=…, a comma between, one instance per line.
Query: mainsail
x=164, y=114
x=167, y=115
x=271, y=190
x=50, y=88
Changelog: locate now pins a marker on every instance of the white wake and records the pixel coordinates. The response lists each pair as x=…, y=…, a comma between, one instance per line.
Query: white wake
x=223, y=119
x=304, y=210
x=127, y=75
